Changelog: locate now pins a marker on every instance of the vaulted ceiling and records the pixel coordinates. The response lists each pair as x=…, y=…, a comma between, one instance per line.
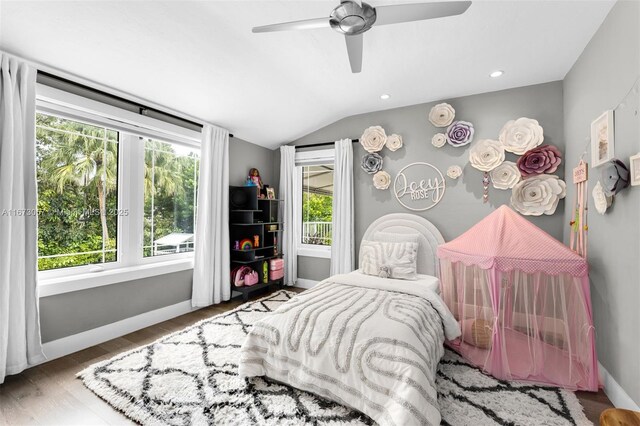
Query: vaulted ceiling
x=202, y=59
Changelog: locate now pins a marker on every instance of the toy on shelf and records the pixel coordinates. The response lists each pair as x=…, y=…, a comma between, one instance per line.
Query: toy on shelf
x=246, y=244
x=254, y=179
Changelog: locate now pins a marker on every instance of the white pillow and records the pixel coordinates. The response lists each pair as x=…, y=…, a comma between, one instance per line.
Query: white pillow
x=392, y=237
x=389, y=260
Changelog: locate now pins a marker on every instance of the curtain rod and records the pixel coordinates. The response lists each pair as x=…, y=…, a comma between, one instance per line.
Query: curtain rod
x=106, y=90
x=142, y=109
x=322, y=144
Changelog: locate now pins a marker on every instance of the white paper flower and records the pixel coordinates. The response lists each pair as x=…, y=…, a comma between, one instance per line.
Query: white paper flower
x=438, y=140
x=486, y=155
x=442, y=115
x=454, y=172
x=600, y=199
x=373, y=139
x=538, y=195
x=381, y=180
x=394, y=142
x=521, y=135
x=505, y=175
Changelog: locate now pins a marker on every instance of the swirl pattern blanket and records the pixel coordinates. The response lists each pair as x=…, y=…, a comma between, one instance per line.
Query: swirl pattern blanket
x=369, y=343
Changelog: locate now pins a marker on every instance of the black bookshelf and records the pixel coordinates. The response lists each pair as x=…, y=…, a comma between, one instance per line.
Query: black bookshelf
x=250, y=216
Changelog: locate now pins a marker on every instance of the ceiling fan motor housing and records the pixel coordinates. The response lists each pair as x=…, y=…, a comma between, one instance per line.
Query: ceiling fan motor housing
x=350, y=18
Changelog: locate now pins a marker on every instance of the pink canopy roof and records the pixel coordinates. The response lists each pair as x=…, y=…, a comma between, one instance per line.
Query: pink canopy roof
x=506, y=241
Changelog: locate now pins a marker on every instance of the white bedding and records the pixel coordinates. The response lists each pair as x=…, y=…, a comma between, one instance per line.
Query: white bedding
x=369, y=343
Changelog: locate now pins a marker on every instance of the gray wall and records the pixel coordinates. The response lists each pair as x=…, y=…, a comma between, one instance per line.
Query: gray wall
x=598, y=81
x=70, y=313
x=461, y=206
x=244, y=156
x=313, y=268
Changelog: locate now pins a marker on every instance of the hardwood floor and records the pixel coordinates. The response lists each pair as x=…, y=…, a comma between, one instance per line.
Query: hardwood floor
x=50, y=394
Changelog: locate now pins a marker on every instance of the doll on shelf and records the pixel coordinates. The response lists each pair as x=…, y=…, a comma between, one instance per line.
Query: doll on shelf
x=255, y=179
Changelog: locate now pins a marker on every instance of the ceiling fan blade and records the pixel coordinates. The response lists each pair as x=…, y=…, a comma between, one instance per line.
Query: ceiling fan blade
x=354, y=49
x=419, y=11
x=308, y=24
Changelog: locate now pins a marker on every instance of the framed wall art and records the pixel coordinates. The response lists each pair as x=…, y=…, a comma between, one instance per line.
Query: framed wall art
x=602, y=139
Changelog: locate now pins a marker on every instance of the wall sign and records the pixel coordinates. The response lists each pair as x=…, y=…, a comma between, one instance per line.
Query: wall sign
x=419, y=186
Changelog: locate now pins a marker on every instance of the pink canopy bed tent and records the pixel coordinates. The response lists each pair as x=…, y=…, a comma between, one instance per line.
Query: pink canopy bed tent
x=522, y=300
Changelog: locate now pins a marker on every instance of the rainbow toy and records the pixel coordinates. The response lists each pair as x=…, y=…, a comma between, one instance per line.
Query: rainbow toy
x=246, y=244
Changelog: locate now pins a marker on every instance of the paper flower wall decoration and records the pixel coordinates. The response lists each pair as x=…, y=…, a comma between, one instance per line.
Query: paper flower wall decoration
x=460, y=133
x=371, y=163
x=538, y=195
x=540, y=160
x=394, y=142
x=486, y=155
x=521, y=135
x=614, y=177
x=373, y=139
x=438, y=140
x=505, y=175
x=442, y=115
x=600, y=200
x=381, y=180
x=454, y=172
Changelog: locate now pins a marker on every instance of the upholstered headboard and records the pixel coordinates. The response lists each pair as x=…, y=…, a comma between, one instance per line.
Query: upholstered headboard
x=429, y=238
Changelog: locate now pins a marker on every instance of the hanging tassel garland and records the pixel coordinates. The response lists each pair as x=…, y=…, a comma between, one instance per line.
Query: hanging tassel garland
x=485, y=187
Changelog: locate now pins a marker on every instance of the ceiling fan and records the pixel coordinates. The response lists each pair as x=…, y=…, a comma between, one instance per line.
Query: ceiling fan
x=354, y=17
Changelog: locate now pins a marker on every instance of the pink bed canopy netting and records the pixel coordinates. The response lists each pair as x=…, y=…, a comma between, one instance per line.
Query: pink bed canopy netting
x=522, y=300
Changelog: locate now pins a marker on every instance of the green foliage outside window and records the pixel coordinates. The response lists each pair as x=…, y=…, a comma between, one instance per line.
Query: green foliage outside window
x=77, y=175
x=316, y=208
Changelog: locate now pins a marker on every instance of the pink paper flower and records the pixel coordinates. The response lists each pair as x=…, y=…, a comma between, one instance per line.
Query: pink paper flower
x=544, y=159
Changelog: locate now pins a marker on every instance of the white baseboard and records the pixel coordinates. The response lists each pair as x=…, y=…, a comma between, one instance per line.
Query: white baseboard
x=305, y=283
x=615, y=392
x=86, y=339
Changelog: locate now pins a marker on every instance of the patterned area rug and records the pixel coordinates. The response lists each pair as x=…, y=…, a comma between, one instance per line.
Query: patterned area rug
x=189, y=378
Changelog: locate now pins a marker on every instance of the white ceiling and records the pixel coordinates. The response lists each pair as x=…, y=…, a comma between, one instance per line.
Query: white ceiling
x=201, y=58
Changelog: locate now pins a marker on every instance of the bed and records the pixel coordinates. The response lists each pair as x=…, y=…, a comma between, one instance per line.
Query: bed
x=367, y=342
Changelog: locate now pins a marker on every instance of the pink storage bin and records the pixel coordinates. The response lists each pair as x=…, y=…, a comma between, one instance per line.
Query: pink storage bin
x=276, y=269
x=276, y=264
x=276, y=275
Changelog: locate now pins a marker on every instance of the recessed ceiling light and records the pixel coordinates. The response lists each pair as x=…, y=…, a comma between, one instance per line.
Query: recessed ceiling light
x=496, y=73
x=385, y=97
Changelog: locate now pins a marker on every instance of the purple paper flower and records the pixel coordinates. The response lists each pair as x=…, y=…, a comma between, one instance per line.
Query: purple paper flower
x=460, y=133
x=615, y=177
x=544, y=159
x=371, y=163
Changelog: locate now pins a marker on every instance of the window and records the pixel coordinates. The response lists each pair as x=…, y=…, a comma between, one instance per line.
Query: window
x=117, y=192
x=170, y=192
x=317, y=199
x=77, y=174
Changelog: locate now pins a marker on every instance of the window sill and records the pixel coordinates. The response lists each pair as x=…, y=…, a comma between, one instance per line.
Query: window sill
x=60, y=285
x=322, y=252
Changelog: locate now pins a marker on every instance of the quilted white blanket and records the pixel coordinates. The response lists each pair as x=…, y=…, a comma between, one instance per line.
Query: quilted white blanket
x=370, y=343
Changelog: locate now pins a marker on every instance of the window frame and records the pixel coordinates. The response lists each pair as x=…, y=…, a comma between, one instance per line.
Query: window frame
x=130, y=263
x=310, y=158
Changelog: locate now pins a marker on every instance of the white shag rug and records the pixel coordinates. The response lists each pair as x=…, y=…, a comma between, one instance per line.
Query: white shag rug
x=189, y=378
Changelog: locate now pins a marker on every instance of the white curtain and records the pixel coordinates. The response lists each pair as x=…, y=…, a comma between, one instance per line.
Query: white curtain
x=20, y=345
x=290, y=188
x=211, y=262
x=342, y=240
